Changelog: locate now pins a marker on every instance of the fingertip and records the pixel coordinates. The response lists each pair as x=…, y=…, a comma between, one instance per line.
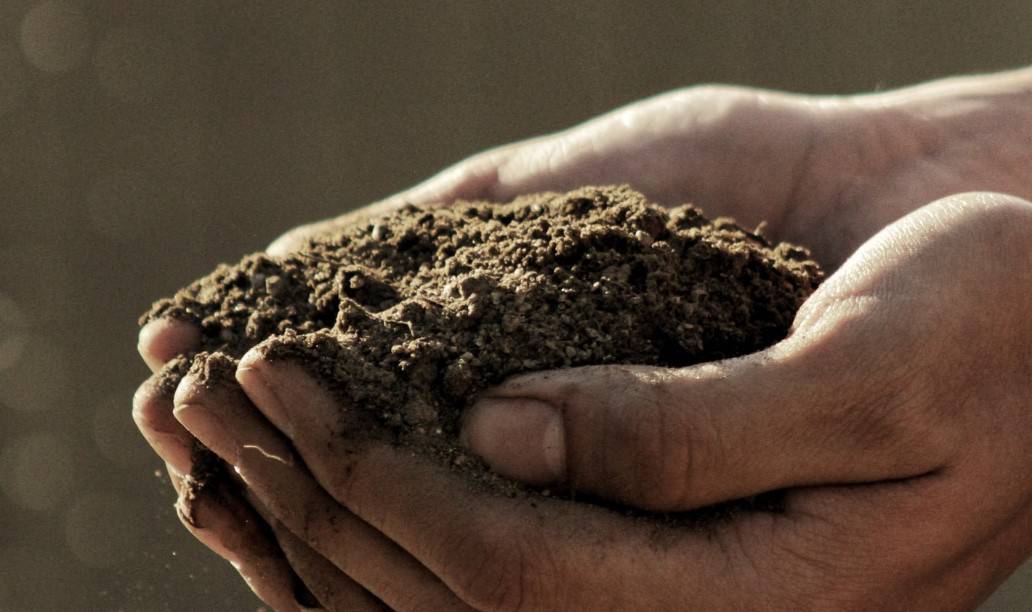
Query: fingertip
x=162, y=339
x=294, y=239
x=252, y=374
x=152, y=413
x=224, y=524
x=251, y=359
x=285, y=393
x=144, y=395
x=187, y=392
x=203, y=417
x=148, y=406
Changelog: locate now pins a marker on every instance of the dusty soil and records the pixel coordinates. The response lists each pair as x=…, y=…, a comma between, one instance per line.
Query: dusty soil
x=407, y=317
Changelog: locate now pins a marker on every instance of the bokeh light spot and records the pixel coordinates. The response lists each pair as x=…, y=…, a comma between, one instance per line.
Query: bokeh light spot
x=13, y=332
x=102, y=530
x=55, y=36
x=37, y=471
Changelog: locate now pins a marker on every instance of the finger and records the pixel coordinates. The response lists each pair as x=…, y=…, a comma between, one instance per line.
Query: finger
x=333, y=589
x=684, y=145
x=152, y=412
x=681, y=146
x=225, y=421
x=162, y=339
x=494, y=552
x=856, y=378
x=323, y=581
x=220, y=521
x=654, y=137
x=964, y=525
x=674, y=439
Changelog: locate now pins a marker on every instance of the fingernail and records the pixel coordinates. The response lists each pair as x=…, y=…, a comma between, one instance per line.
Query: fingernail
x=192, y=409
x=520, y=438
x=252, y=378
x=208, y=428
x=161, y=339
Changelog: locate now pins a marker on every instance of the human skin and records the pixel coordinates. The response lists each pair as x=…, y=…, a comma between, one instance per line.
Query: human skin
x=894, y=415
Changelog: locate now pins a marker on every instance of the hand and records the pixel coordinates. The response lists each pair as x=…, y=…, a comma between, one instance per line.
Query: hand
x=834, y=171
x=895, y=418
x=280, y=569
x=823, y=171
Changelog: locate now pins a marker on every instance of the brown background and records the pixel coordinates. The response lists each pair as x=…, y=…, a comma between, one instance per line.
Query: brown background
x=143, y=141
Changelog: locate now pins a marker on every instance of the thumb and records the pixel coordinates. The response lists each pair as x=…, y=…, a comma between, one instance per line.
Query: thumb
x=674, y=439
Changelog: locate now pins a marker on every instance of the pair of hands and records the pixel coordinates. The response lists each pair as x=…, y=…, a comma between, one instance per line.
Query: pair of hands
x=893, y=417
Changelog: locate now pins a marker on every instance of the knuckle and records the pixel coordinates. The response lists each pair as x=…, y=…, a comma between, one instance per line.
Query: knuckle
x=888, y=408
x=890, y=405
x=656, y=440
x=666, y=451
x=586, y=386
x=900, y=417
x=638, y=439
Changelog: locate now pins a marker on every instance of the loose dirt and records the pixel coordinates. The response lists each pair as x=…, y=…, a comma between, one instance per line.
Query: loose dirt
x=406, y=318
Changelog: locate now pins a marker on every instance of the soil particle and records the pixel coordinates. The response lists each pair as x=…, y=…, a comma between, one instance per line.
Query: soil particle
x=408, y=317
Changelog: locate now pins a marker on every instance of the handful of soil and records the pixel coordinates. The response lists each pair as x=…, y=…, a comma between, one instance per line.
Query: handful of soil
x=408, y=317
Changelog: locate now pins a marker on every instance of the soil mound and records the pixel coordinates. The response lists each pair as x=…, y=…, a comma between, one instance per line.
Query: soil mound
x=407, y=317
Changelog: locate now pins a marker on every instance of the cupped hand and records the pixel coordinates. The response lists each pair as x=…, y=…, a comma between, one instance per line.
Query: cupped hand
x=827, y=172
x=824, y=171
x=894, y=419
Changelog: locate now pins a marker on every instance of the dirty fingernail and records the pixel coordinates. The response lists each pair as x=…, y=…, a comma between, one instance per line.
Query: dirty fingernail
x=518, y=437
x=253, y=379
x=207, y=427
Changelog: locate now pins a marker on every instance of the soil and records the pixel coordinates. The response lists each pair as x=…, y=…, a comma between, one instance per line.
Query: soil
x=409, y=316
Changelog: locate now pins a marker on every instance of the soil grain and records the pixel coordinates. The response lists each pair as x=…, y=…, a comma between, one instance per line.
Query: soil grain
x=409, y=316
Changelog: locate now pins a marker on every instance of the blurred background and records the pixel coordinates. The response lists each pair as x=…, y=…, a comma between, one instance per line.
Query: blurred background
x=143, y=141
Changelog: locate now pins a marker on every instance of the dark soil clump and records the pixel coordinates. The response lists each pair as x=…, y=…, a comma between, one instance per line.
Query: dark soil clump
x=408, y=317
